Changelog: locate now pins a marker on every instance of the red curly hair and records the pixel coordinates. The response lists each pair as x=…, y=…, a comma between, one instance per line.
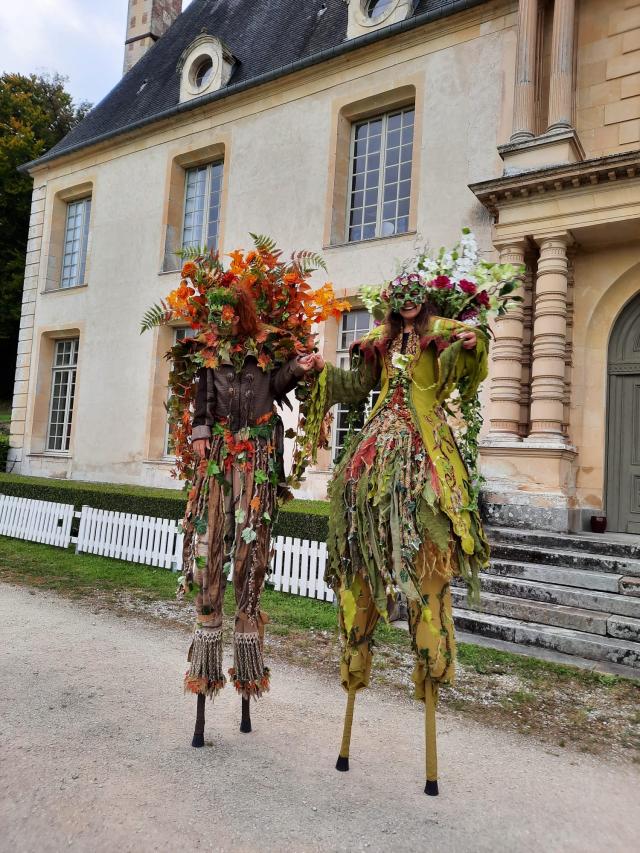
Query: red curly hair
x=245, y=308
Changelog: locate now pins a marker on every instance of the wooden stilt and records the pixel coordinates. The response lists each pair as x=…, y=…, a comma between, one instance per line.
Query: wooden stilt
x=245, y=722
x=198, y=733
x=343, y=758
x=431, y=752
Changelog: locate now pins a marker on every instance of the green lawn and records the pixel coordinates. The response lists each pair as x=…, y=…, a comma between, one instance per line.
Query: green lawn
x=80, y=575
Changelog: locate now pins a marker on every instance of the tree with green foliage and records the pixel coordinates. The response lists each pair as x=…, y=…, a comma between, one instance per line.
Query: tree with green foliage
x=36, y=112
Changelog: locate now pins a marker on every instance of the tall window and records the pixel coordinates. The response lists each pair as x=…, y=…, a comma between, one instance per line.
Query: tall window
x=380, y=175
x=76, y=236
x=178, y=335
x=353, y=325
x=203, y=189
x=63, y=386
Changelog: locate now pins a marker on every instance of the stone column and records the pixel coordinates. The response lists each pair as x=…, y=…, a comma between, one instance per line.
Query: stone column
x=549, y=342
x=506, y=357
x=524, y=96
x=562, y=56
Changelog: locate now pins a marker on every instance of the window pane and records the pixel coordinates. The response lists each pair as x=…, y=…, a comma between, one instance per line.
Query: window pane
x=63, y=382
x=388, y=141
x=76, y=237
x=353, y=326
x=215, y=189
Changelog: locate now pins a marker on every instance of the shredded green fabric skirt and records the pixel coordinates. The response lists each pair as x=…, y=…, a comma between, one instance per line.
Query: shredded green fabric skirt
x=384, y=505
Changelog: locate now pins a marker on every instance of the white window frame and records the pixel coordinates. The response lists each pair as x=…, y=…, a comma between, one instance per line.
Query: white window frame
x=382, y=168
x=342, y=361
x=74, y=258
x=59, y=368
x=179, y=334
x=202, y=239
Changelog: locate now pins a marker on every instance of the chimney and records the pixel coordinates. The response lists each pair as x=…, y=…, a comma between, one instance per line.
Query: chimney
x=147, y=20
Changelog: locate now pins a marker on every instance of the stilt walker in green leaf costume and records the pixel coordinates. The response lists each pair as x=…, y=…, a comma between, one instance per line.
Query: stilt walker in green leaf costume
x=401, y=518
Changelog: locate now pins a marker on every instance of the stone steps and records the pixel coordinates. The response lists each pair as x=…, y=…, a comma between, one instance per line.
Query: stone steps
x=564, y=640
x=556, y=615
x=574, y=594
x=525, y=553
x=567, y=596
x=594, y=543
x=564, y=575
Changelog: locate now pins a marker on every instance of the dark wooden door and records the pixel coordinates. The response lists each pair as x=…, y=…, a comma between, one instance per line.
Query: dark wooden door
x=623, y=423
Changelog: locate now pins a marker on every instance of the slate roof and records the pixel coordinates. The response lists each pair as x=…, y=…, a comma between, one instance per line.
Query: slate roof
x=269, y=38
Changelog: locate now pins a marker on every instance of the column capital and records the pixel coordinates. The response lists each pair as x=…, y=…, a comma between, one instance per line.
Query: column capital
x=558, y=238
x=514, y=244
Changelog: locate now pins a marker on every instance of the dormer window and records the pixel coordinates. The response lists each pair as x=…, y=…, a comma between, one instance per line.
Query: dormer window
x=376, y=9
x=205, y=66
x=368, y=15
x=203, y=73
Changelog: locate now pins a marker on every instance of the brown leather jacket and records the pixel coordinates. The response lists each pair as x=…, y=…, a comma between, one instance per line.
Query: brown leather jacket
x=240, y=397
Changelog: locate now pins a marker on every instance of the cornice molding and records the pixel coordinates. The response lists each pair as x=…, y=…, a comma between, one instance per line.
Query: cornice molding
x=498, y=192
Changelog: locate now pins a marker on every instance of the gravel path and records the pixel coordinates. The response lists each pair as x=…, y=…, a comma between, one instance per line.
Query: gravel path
x=95, y=755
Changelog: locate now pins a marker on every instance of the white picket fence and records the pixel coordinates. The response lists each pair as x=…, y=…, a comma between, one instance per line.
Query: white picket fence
x=297, y=565
x=38, y=521
x=126, y=536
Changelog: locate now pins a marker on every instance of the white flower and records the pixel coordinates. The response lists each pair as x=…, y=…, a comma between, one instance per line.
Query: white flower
x=400, y=360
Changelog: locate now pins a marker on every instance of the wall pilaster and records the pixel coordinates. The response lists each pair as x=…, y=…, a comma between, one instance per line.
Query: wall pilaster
x=25, y=336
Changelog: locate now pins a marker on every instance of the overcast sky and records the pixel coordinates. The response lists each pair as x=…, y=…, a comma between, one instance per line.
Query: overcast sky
x=81, y=39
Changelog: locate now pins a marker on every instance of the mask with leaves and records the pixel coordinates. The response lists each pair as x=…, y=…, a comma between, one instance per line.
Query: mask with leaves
x=406, y=289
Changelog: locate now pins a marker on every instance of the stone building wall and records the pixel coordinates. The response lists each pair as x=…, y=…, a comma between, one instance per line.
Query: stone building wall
x=279, y=143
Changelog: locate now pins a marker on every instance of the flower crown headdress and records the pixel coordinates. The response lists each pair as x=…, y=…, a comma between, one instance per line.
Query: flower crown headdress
x=404, y=289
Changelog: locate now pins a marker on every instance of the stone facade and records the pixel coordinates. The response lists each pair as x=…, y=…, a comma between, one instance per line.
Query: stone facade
x=568, y=204
x=526, y=129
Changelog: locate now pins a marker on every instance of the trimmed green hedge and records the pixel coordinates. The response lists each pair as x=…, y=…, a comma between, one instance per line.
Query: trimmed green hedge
x=305, y=519
x=4, y=449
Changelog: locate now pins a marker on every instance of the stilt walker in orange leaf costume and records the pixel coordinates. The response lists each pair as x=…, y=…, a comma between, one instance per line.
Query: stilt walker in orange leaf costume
x=403, y=498
x=251, y=348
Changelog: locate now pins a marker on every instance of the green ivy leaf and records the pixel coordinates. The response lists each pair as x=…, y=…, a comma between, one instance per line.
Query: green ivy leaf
x=249, y=535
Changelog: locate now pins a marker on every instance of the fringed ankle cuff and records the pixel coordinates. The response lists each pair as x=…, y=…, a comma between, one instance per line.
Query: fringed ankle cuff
x=251, y=688
x=249, y=674
x=205, y=673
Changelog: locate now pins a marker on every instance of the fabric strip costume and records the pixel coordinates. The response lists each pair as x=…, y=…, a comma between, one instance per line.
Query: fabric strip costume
x=399, y=514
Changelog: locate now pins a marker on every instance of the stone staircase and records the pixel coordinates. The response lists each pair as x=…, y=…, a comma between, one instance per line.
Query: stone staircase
x=571, y=594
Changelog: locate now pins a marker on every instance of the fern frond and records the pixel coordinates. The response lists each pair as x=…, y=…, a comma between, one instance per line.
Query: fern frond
x=263, y=243
x=308, y=261
x=191, y=253
x=155, y=316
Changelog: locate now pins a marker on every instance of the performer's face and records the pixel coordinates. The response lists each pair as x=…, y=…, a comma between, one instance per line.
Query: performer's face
x=410, y=311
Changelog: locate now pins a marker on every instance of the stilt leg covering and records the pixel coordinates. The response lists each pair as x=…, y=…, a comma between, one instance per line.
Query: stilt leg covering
x=343, y=759
x=249, y=674
x=431, y=752
x=205, y=675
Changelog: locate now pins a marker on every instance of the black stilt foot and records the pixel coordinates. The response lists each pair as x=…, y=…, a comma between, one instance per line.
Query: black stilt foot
x=198, y=734
x=245, y=722
x=342, y=763
x=431, y=788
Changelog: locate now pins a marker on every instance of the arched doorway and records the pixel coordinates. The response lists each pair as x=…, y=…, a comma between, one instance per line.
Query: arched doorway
x=623, y=422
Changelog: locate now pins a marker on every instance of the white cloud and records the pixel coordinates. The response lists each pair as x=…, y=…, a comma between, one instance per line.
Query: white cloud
x=81, y=39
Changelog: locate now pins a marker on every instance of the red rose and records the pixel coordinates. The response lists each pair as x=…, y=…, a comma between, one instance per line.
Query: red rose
x=442, y=282
x=468, y=313
x=467, y=286
x=482, y=298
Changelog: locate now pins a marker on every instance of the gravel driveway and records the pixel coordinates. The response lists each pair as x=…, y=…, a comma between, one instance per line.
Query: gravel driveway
x=95, y=755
